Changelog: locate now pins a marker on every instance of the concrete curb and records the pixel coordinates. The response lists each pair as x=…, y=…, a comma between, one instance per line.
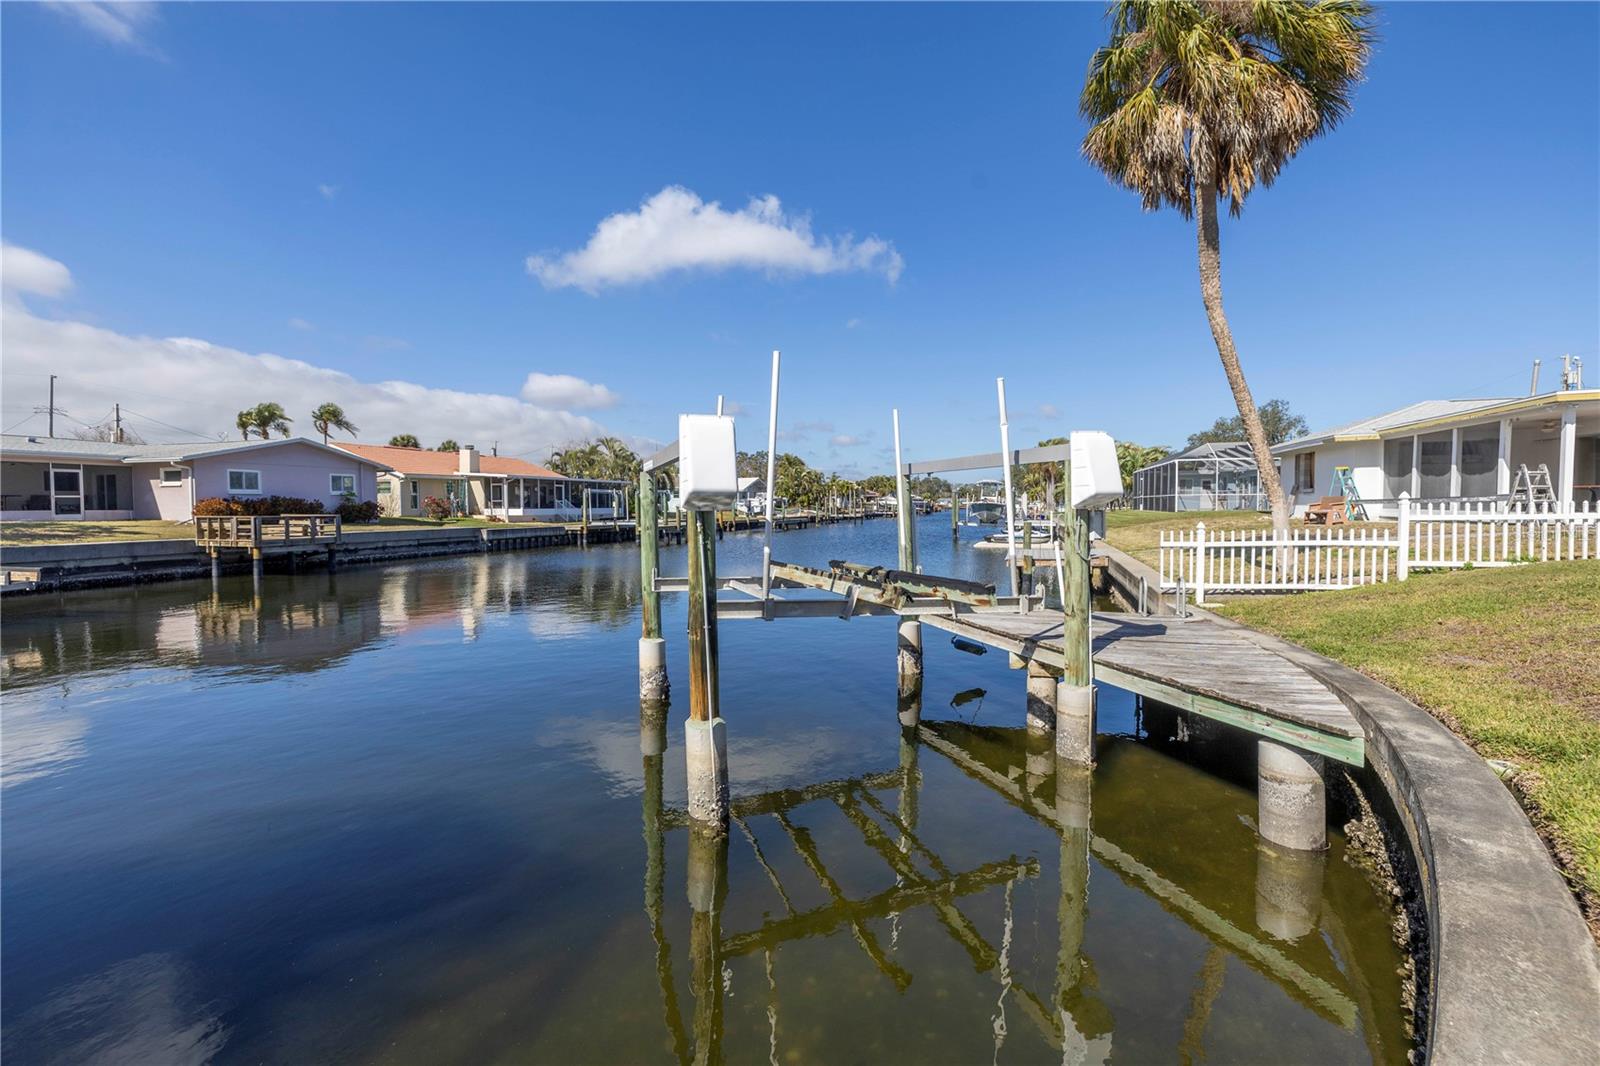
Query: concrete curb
x=1515, y=975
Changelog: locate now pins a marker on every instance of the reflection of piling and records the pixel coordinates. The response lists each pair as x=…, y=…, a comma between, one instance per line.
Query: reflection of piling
x=910, y=706
x=908, y=654
x=705, y=734
x=652, y=742
x=256, y=564
x=1291, y=800
x=1042, y=687
x=1073, y=791
x=216, y=566
x=708, y=889
x=1288, y=890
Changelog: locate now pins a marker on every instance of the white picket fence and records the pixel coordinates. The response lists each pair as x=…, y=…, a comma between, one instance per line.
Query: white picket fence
x=1258, y=561
x=1450, y=536
x=1428, y=536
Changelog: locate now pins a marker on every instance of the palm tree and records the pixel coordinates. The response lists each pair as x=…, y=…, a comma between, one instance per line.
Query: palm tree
x=268, y=417
x=246, y=422
x=331, y=416
x=404, y=440
x=1190, y=100
x=448, y=446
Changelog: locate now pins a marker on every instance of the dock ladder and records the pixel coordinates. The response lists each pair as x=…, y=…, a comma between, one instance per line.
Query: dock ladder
x=1531, y=487
x=1345, y=485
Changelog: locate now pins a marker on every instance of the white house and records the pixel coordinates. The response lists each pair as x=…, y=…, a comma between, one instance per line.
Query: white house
x=1454, y=449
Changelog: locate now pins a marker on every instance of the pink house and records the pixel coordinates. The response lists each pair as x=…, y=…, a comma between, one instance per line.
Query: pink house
x=61, y=478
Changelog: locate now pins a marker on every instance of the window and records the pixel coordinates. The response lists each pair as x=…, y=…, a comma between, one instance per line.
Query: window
x=497, y=494
x=1480, y=459
x=342, y=484
x=416, y=494
x=246, y=482
x=1305, y=472
x=171, y=476
x=1397, y=464
x=1433, y=462
x=383, y=488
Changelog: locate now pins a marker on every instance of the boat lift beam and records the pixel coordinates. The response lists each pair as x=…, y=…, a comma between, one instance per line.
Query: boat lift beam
x=1049, y=453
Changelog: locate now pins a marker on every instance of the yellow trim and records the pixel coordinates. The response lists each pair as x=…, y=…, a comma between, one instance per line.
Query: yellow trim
x=1481, y=414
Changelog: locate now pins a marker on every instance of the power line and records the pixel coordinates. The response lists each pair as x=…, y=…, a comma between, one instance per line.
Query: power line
x=168, y=425
x=25, y=421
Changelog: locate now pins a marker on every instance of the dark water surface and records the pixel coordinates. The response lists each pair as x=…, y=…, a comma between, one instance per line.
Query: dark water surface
x=400, y=814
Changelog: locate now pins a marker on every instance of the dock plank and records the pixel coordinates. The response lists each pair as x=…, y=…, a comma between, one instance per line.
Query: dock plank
x=1194, y=655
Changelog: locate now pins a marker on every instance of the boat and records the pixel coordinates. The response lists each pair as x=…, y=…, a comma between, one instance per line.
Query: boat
x=1043, y=533
x=990, y=506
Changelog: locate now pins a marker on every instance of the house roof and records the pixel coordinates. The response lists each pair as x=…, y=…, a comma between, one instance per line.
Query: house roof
x=26, y=447
x=423, y=463
x=748, y=483
x=1435, y=412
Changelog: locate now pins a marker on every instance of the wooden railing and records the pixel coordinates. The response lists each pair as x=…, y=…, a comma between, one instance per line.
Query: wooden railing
x=266, y=531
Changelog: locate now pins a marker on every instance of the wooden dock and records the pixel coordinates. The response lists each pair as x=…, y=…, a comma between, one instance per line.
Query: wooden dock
x=1194, y=664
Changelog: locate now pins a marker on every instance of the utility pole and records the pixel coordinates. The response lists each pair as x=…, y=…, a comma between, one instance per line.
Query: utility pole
x=52, y=405
x=117, y=435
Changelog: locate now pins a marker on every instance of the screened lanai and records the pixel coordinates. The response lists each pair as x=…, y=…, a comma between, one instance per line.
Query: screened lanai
x=1208, y=477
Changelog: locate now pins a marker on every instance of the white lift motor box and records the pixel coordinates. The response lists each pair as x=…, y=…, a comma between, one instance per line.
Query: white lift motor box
x=708, y=472
x=1096, y=477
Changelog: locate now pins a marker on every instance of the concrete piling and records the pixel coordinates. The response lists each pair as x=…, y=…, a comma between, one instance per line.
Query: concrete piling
x=1291, y=798
x=908, y=657
x=706, y=754
x=1075, y=724
x=1042, y=686
x=653, y=684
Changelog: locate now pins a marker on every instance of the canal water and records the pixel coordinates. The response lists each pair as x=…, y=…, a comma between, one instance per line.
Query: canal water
x=401, y=814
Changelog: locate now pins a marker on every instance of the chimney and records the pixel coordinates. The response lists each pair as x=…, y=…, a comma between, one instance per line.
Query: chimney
x=468, y=459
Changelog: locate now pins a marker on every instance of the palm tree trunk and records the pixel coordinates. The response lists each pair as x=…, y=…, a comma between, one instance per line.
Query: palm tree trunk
x=1211, y=292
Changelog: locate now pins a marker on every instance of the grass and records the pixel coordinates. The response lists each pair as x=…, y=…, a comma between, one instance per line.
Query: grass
x=418, y=522
x=1505, y=657
x=17, y=533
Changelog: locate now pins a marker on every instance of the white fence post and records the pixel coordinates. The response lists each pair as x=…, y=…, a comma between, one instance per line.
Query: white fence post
x=1199, y=563
x=1403, y=558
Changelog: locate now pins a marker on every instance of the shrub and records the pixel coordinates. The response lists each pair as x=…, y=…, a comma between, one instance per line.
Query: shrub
x=358, y=511
x=436, y=507
x=256, y=505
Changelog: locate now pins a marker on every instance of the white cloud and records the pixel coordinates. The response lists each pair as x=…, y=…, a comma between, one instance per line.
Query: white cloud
x=302, y=325
x=118, y=23
x=676, y=230
x=199, y=386
x=24, y=270
x=852, y=324
x=328, y=191
x=566, y=391
x=1049, y=410
x=846, y=440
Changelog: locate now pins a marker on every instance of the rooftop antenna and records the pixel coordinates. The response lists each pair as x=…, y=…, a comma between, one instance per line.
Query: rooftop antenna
x=1533, y=386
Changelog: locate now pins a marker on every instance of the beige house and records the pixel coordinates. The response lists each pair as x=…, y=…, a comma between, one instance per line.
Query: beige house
x=476, y=484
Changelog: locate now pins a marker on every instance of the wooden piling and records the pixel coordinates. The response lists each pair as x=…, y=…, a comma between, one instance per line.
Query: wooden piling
x=955, y=515
x=649, y=555
x=1075, y=627
x=703, y=676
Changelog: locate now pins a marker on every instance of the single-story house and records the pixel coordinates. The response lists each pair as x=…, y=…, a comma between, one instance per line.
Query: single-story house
x=1207, y=477
x=752, y=497
x=1454, y=450
x=47, y=478
x=477, y=484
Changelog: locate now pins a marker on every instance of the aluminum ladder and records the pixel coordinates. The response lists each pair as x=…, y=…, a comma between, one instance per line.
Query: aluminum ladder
x=1532, y=487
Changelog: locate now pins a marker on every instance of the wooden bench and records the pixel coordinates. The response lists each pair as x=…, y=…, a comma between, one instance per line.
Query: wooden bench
x=1328, y=511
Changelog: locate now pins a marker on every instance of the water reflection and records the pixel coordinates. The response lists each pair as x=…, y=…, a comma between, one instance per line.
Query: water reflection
x=1099, y=835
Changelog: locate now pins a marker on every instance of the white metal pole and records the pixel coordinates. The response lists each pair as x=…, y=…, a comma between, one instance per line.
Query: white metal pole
x=900, y=494
x=1005, y=466
x=772, y=474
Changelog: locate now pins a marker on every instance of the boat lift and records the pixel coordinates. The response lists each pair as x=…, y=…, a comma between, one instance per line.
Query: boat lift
x=704, y=453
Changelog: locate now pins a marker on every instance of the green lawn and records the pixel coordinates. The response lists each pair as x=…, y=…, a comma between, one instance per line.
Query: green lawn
x=1139, y=532
x=1506, y=657
x=87, y=532
x=415, y=522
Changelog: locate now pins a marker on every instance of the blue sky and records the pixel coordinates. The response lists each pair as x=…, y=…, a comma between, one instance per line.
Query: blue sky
x=359, y=188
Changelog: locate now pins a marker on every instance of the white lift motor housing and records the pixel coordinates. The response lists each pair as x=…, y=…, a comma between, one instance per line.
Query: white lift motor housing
x=708, y=473
x=1096, y=477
